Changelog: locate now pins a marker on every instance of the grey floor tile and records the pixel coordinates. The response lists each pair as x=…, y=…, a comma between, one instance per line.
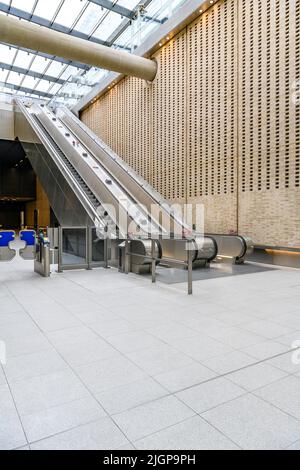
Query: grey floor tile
x=126, y=447
x=233, y=317
x=93, y=314
x=32, y=365
x=178, y=379
x=134, y=341
x=230, y=362
x=100, y=435
x=288, y=362
x=80, y=346
x=9, y=304
x=201, y=347
x=18, y=345
x=110, y=373
x=210, y=394
x=152, y=417
x=172, y=331
x=192, y=434
x=289, y=339
x=295, y=446
x=265, y=349
x=237, y=338
x=39, y=393
x=55, y=319
x=11, y=432
x=290, y=320
x=2, y=377
x=25, y=327
x=144, y=319
x=254, y=377
x=155, y=361
x=284, y=394
x=254, y=424
x=13, y=317
x=61, y=418
x=131, y=395
x=106, y=328
x=267, y=329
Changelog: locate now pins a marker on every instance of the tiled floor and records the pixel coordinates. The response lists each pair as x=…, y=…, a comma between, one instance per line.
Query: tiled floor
x=101, y=360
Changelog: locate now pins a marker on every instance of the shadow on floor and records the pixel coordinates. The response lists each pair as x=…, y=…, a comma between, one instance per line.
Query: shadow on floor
x=216, y=270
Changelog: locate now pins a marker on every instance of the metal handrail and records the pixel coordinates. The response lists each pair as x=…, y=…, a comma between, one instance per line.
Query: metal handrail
x=154, y=259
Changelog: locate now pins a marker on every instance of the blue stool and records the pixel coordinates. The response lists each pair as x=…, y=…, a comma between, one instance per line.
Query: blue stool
x=28, y=236
x=6, y=252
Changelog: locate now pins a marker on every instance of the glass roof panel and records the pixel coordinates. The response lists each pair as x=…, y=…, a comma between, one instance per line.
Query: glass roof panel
x=90, y=19
x=14, y=78
x=3, y=75
x=7, y=54
x=54, y=88
x=130, y=4
x=56, y=68
x=39, y=64
x=42, y=85
x=69, y=12
x=70, y=71
x=47, y=8
x=110, y=22
x=23, y=59
x=26, y=5
x=29, y=82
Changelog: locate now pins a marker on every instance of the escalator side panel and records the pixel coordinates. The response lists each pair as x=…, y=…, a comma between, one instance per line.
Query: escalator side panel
x=63, y=200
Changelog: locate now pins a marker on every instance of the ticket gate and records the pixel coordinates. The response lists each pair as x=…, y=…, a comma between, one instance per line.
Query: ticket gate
x=6, y=252
x=42, y=256
x=28, y=236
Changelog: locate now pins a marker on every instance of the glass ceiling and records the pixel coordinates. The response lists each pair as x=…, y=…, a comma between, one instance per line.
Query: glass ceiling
x=122, y=24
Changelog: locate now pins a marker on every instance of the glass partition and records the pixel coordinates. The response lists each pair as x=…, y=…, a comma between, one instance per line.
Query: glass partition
x=81, y=248
x=74, y=246
x=98, y=248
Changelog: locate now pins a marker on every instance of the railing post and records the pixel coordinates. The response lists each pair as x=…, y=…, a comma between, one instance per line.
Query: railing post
x=88, y=245
x=60, y=248
x=190, y=269
x=106, y=247
x=153, y=263
x=126, y=257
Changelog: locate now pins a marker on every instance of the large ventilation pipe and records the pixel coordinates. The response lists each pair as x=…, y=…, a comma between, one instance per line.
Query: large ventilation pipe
x=42, y=39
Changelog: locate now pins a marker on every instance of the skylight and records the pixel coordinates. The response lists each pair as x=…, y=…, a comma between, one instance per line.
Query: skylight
x=24, y=72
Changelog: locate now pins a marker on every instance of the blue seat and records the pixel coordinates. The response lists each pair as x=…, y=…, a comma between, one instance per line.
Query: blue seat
x=6, y=236
x=6, y=253
x=28, y=236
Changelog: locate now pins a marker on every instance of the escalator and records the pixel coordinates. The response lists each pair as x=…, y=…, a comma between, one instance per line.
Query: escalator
x=86, y=181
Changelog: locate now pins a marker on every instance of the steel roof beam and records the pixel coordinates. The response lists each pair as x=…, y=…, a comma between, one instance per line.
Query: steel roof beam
x=31, y=91
x=26, y=90
x=31, y=73
x=78, y=65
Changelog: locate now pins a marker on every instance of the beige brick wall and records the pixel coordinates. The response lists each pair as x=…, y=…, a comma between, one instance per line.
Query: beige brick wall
x=218, y=125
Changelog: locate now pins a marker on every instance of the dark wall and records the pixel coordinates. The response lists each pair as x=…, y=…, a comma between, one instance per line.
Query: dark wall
x=10, y=215
x=17, y=183
x=17, y=178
